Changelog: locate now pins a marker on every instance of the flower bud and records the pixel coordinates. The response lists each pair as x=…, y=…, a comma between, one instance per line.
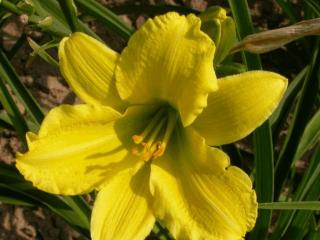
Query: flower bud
x=221, y=29
x=272, y=39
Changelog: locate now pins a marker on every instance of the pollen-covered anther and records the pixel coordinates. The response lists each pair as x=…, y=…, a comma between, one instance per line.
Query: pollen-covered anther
x=161, y=147
x=146, y=156
x=137, y=139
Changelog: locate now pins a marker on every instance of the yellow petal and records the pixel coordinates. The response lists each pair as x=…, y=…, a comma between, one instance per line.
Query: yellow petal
x=168, y=59
x=88, y=66
x=242, y=103
x=197, y=195
x=76, y=150
x=122, y=209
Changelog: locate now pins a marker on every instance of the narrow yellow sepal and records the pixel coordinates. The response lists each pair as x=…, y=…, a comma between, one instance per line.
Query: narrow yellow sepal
x=74, y=150
x=88, y=66
x=242, y=103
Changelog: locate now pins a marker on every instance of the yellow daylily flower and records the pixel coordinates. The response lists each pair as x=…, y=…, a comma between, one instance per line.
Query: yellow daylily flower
x=142, y=136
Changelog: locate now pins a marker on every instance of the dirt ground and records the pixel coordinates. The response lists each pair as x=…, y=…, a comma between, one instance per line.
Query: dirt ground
x=48, y=87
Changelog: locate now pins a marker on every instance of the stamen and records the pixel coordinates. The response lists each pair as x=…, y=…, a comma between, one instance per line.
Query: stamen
x=172, y=120
x=156, y=132
x=139, y=138
x=161, y=147
x=160, y=150
x=150, y=146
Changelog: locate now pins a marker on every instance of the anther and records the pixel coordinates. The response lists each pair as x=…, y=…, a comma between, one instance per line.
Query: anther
x=161, y=147
x=137, y=139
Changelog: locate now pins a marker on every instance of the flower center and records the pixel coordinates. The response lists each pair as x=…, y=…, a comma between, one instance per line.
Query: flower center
x=153, y=140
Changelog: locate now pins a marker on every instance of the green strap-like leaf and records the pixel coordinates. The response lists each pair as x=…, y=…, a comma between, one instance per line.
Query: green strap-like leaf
x=7, y=73
x=307, y=190
x=41, y=52
x=151, y=9
x=263, y=146
x=5, y=121
x=288, y=10
x=12, y=111
x=280, y=115
x=12, y=197
x=72, y=209
x=306, y=205
x=315, y=6
x=302, y=115
x=310, y=136
x=300, y=224
x=107, y=17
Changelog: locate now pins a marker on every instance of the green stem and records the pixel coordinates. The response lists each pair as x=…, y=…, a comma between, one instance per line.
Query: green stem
x=11, y=7
x=17, y=46
x=303, y=205
x=70, y=12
